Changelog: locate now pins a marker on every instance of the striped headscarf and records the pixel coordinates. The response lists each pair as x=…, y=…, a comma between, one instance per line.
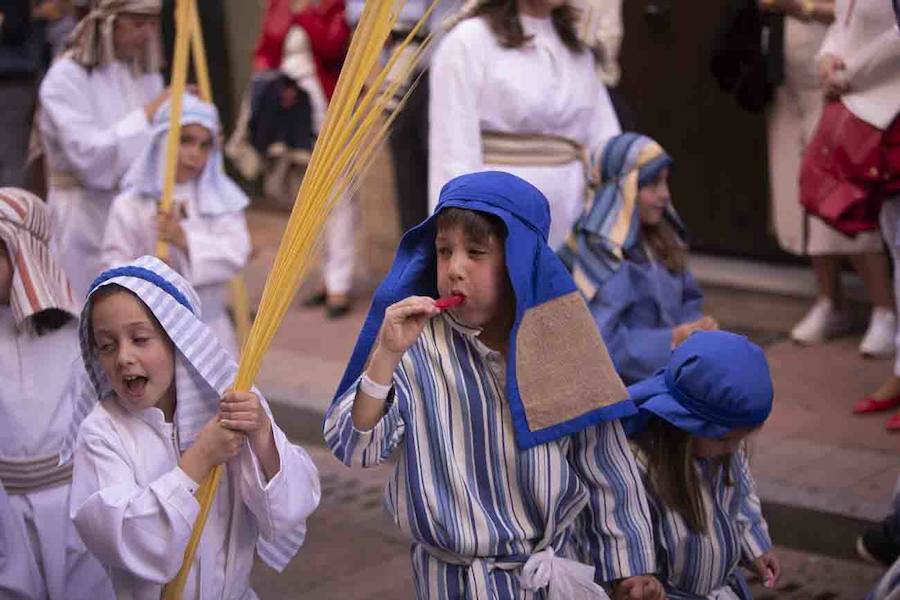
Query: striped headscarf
x=608, y=229
x=38, y=282
x=217, y=194
x=204, y=371
x=91, y=43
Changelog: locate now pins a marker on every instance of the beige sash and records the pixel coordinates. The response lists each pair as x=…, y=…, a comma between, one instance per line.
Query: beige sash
x=533, y=150
x=31, y=475
x=62, y=180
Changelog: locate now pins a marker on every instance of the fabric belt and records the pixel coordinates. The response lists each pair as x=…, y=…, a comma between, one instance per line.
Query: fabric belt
x=63, y=180
x=31, y=475
x=534, y=150
x=564, y=579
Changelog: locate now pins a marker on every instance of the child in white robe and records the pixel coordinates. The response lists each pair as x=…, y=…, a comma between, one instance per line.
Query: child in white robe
x=207, y=232
x=160, y=419
x=41, y=554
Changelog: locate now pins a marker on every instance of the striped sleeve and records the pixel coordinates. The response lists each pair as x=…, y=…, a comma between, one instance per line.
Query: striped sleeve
x=363, y=448
x=754, y=531
x=615, y=527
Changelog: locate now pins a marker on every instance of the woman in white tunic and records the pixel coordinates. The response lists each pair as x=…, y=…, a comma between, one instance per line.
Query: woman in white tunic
x=96, y=103
x=209, y=242
x=792, y=120
x=149, y=439
x=41, y=554
x=520, y=95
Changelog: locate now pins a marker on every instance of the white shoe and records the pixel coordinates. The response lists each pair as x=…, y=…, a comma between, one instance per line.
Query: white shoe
x=823, y=321
x=879, y=338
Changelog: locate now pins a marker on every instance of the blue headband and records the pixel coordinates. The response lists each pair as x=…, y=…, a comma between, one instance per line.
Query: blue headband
x=146, y=275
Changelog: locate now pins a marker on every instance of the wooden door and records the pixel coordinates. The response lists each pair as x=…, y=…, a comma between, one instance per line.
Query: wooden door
x=720, y=179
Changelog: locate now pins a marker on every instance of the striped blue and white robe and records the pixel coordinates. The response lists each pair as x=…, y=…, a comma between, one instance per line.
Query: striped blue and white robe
x=475, y=506
x=707, y=565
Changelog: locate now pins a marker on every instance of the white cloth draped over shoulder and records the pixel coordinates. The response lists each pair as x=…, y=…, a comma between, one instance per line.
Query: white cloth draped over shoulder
x=93, y=126
x=541, y=88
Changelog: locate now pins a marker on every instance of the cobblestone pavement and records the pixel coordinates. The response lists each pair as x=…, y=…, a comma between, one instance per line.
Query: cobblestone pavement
x=353, y=552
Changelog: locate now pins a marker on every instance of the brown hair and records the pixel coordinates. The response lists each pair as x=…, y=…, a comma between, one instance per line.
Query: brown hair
x=666, y=245
x=503, y=19
x=112, y=289
x=477, y=225
x=671, y=473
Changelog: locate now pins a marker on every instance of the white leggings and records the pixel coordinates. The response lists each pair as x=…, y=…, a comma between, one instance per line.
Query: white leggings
x=340, y=246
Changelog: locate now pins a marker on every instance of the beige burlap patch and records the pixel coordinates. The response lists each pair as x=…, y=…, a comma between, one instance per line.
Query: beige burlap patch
x=562, y=365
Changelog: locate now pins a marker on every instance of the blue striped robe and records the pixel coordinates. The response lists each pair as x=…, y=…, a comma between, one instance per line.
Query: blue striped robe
x=475, y=505
x=694, y=566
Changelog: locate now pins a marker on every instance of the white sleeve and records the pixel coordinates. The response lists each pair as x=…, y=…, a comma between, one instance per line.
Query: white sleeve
x=218, y=247
x=609, y=34
x=876, y=62
x=287, y=499
x=122, y=237
x=99, y=154
x=605, y=122
x=835, y=42
x=454, y=138
x=142, y=530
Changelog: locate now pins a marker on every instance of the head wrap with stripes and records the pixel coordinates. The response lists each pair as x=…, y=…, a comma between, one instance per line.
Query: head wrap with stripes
x=38, y=282
x=204, y=371
x=609, y=227
x=91, y=43
x=217, y=194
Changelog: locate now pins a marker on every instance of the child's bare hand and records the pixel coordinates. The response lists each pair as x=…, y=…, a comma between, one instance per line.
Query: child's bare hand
x=404, y=321
x=214, y=445
x=832, y=76
x=768, y=569
x=707, y=323
x=641, y=587
x=243, y=412
x=169, y=230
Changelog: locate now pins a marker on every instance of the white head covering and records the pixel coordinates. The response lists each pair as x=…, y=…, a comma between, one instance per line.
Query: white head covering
x=38, y=282
x=217, y=194
x=91, y=43
x=203, y=370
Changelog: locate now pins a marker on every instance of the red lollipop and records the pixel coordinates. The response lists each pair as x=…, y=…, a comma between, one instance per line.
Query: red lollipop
x=449, y=301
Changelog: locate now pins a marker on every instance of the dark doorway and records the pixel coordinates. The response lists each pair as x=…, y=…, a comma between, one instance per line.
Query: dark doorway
x=212, y=21
x=720, y=179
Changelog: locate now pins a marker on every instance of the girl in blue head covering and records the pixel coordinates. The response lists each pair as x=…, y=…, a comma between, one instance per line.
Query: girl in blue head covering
x=209, y=242
x=627, y=254
x=688, y=435
x=491, y=405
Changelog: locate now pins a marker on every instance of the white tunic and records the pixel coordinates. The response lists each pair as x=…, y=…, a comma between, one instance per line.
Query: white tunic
x=218, y=248
x=541, y=88
x=135, y=507
x=864, y=34
x=93, y=126
x=35, y=413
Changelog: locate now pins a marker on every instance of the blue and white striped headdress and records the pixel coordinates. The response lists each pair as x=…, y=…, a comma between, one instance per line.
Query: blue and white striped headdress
x=608, y=229
x=204, y=371
x=217, y=194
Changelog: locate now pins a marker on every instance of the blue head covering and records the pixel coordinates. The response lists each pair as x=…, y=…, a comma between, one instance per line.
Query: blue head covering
x=608, y=229
x=715, y=381
x=217, y=194
x=575, y=366
x=204, y=371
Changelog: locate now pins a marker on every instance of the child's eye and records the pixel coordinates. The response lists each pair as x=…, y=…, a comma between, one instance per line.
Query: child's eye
x=444, y=252
x=105, y=348
x=141, y=339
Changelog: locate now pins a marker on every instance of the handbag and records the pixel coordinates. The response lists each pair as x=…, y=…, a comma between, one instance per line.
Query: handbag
x=849, y=167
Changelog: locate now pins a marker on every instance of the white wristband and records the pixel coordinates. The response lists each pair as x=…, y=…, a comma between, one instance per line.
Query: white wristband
x=375, y=390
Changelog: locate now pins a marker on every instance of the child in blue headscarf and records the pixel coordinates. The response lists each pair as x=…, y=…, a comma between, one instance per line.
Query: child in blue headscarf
x=209, y=242
x=491, y=404
x=688, y=436
x=627, y=254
